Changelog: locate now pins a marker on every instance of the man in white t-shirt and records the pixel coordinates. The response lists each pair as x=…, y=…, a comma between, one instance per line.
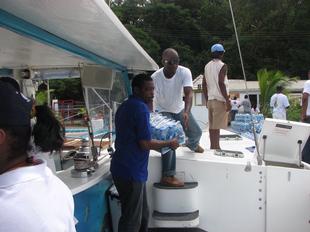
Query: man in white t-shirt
x=234, y=108
x=246, y=105
x=279, y=103
x=305, y=116
x=32, y=198
x=171, y=83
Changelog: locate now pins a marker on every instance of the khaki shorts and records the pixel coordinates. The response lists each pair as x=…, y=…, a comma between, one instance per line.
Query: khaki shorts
x=217, y=114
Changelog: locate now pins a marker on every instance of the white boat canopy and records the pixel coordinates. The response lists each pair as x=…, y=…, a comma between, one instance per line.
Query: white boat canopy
x=20, y=52
x=39, y=34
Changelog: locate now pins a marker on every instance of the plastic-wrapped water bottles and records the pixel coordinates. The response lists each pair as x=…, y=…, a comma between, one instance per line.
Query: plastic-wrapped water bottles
x=163, y=128
x=243, y=117
x=180, y=133
x=244, y=122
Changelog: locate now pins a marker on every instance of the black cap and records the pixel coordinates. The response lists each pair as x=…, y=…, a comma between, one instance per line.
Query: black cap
x=11, y=81
x=15, y=108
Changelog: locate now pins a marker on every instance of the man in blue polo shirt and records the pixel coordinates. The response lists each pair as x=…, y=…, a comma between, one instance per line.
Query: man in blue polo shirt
x=132, y=145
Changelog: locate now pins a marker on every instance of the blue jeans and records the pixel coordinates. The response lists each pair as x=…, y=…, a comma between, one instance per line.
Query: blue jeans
x=233, y=114
x=168, y=161
x=193, y=133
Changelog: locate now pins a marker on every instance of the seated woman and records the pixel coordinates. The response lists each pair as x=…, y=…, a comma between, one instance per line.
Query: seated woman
x=48, y=135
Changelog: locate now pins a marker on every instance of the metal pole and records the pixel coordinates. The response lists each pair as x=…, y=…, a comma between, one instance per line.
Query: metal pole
x=48, y=94
x=259, y=158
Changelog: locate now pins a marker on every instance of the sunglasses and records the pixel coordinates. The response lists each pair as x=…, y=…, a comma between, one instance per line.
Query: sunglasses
x=171, y=62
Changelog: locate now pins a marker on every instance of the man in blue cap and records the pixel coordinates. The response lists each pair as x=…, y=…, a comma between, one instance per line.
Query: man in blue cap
x=215, y=88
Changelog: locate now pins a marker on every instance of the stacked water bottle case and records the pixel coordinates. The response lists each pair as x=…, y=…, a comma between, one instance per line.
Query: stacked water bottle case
x=243, y=123
x=163, y=128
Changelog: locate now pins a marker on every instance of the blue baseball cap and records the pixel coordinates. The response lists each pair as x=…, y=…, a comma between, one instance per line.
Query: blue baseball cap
x=217, y=48
x=15, y=107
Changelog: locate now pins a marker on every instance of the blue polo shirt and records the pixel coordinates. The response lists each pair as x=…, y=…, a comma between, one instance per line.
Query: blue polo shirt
x=132, y=124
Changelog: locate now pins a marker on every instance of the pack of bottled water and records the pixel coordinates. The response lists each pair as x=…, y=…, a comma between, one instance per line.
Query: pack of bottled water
x=240, y=126
x=244, y=123
x=164, y=128
x=258, y=117
x=243, y=118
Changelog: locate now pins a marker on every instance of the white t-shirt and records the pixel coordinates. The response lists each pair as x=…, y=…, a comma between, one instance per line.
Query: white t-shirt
x=234, y=104
x=212, y=70
x=33, y=199
x=169, y=92
x=48, y=157
x=246, y=105
x=279, y=103
x=307, y=90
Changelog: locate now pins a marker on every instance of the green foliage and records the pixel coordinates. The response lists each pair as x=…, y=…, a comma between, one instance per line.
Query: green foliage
x=67, y=89
x=41, y=98
x=82, y=111
x=294, y=111
x=149, y=44
x=273, y=34
x=268, y=82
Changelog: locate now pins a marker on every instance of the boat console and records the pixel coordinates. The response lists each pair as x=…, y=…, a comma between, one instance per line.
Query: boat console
x=281, y=142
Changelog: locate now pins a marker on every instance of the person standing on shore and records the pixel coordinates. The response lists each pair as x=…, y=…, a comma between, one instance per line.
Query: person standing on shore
x=279, y=104
x=246, y=104
x=234, y=108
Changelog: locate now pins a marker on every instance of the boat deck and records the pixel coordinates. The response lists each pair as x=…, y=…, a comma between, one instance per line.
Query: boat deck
x=245, y=145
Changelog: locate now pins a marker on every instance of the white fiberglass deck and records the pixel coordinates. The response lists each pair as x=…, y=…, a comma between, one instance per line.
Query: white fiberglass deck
x=208, y=155
x=236, y=194
x=77, y=185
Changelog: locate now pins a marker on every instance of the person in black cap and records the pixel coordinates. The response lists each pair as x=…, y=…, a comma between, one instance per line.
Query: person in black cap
x=27, y=186
x=47, y=134
x=11, y=81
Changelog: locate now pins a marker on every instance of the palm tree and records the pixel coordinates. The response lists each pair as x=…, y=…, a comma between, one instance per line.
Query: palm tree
x=268, y=82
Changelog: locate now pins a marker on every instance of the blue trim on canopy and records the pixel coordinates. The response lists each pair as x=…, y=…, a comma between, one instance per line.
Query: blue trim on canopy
x=24, y=28
x=6, y=72
x=127, y=82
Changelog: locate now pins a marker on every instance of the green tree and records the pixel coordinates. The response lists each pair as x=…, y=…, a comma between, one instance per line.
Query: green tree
x=67, y=89
x=294, y=111
x=273, y=34
x=145, y=40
